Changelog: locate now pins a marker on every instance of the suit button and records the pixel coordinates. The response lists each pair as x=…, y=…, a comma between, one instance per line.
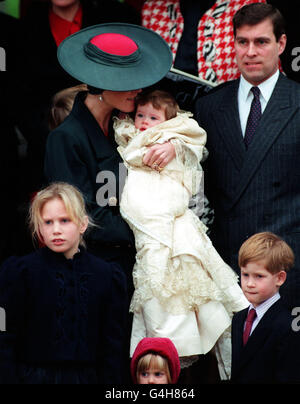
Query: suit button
x=112, y=201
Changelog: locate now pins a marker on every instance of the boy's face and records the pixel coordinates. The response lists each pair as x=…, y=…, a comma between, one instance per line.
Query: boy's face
x=152, y=376
x=258, y=283
x=147, y=116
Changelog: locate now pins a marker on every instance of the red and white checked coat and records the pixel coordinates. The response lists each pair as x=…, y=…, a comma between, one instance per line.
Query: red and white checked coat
x=215, y=49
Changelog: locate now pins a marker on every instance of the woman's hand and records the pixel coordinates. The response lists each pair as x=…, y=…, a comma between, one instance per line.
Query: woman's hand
x=159, y=155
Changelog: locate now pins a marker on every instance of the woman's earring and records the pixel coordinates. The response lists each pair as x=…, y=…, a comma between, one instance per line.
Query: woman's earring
x=100, y=98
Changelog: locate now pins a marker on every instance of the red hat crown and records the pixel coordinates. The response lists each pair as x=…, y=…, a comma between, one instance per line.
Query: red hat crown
x=115, y=44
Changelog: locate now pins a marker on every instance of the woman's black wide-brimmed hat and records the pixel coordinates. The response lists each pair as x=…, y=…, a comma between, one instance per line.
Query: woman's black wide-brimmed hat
x=115, y=56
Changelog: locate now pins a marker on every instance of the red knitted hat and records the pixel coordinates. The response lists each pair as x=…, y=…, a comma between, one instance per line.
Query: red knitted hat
x=160, y=346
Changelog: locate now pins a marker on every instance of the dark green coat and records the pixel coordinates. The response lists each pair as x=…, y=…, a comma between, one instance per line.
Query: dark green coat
x=76, y=152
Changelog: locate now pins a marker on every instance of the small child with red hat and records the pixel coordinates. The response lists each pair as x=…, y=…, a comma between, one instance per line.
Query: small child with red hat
x=155, y=361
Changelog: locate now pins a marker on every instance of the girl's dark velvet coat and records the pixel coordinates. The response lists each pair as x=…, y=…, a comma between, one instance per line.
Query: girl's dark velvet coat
x=62, y=314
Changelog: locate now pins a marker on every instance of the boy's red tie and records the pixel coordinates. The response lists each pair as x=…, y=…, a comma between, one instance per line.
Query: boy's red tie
x=249, y=321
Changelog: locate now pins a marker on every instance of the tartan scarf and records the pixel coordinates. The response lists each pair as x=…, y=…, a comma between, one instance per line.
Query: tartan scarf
x=215, y=47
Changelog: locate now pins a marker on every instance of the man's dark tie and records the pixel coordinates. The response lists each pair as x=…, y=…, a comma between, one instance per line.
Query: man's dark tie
x=249, y=321
x=254, y=117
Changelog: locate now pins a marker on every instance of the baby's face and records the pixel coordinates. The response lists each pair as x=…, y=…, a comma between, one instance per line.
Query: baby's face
x=147, y=116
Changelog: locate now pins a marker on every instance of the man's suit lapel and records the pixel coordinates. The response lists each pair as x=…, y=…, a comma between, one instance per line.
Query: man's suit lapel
x=276, y=115
x=228, y=122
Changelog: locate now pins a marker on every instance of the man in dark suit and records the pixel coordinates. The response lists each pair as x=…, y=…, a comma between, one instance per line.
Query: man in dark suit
x=265, y=342
x=254, y=186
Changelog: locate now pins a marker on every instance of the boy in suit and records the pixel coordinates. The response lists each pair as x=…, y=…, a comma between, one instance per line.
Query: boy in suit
x=264, y=344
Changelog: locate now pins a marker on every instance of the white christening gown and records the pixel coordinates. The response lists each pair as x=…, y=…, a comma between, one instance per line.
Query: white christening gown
x=183, y=288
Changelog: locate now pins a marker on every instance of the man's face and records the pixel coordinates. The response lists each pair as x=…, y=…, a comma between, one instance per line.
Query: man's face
x=257, y=51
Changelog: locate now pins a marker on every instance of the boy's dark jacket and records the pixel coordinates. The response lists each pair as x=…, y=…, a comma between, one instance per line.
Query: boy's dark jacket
x=271, y=354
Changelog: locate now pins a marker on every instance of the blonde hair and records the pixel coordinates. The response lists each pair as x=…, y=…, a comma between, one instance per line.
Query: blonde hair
x=153, y=361
x=159, y=99
x=62, y=104
x=276, y=254
x=69, y=195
